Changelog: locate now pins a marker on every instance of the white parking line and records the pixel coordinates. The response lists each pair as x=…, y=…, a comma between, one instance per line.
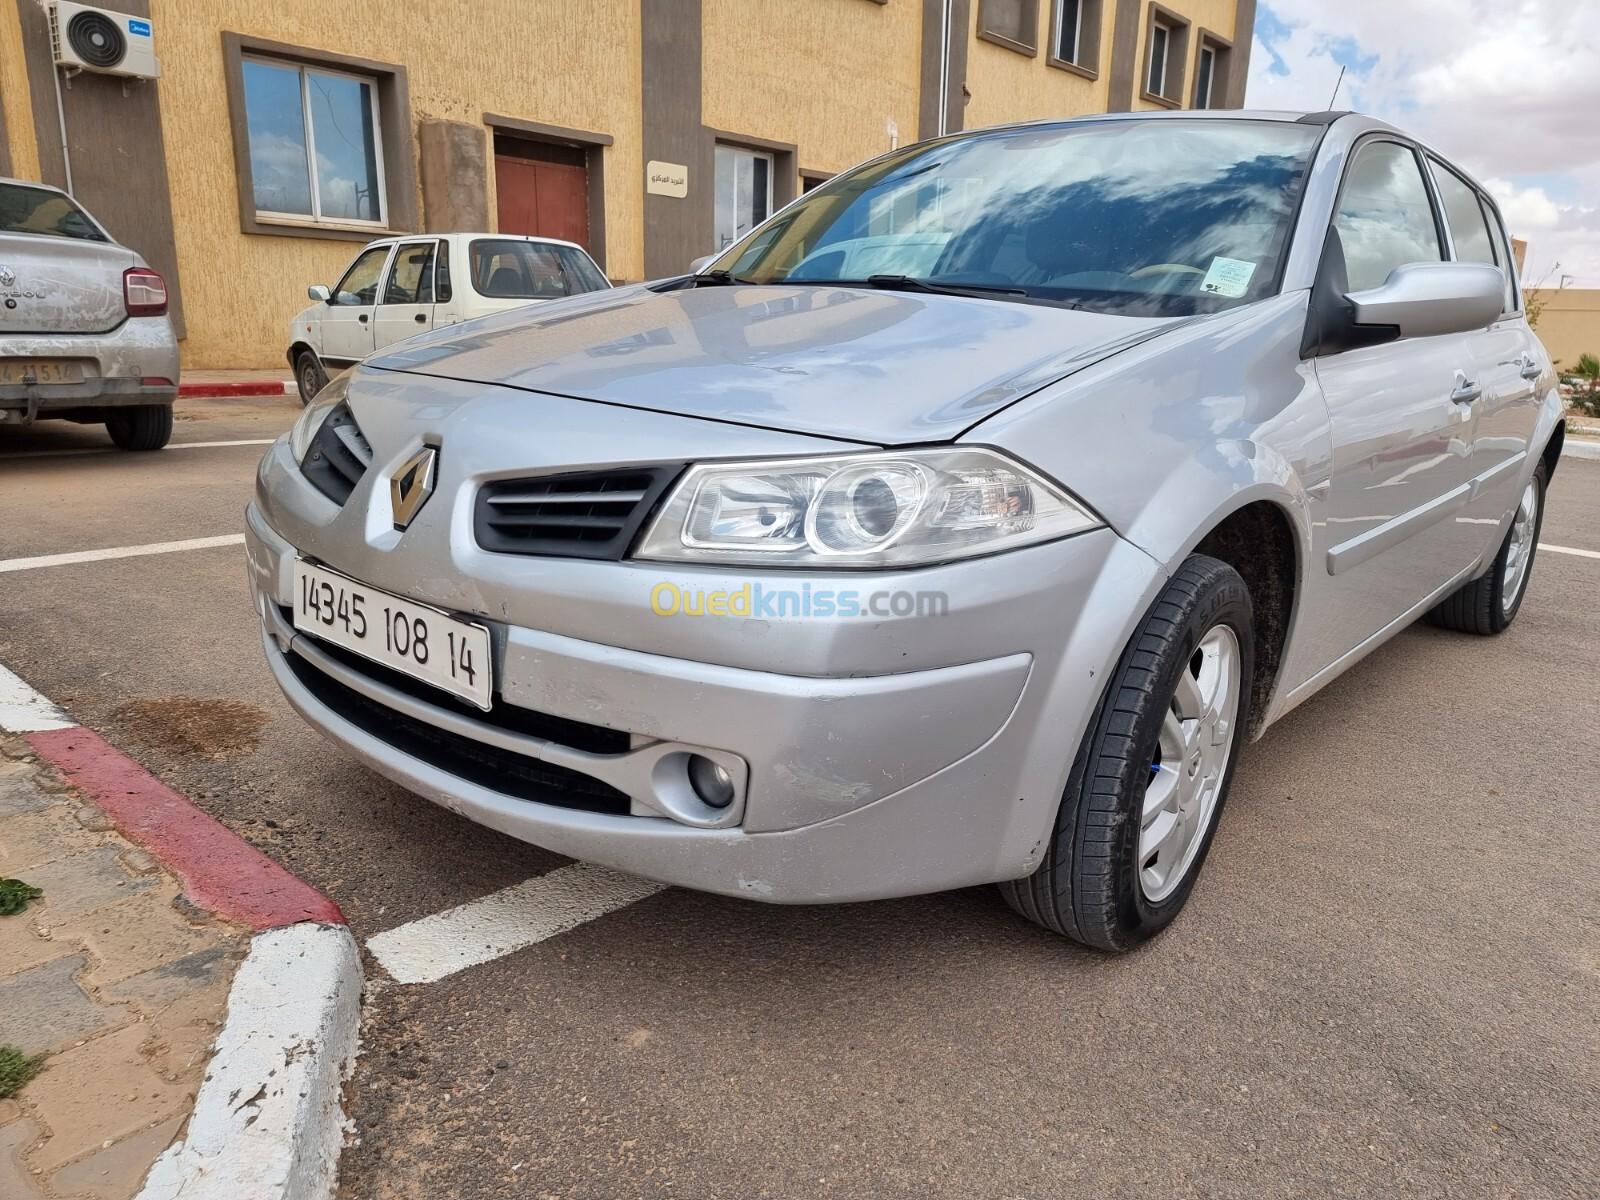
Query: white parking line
x=85, y=556
x=114, y=450
x=1569, y=550
x=23, y=710
x=482, y=930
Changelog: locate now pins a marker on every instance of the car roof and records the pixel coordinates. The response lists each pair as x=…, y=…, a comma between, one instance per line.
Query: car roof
x=459, y=236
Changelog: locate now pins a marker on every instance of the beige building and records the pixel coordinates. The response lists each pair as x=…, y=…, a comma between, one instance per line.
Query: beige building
x=1567, y=322
x=281, y=135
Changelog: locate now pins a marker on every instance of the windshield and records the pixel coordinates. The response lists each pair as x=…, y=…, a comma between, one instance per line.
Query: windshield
x=34, y=210
x=507, y=268
x=1147, y=218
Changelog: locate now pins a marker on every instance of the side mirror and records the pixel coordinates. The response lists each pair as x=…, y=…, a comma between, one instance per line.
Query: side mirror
x=318, y=292
x=699, y=264
x=1429, y=299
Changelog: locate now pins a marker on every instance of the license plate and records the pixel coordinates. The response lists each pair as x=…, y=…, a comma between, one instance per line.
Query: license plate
x=40, y=370
x=405, y=636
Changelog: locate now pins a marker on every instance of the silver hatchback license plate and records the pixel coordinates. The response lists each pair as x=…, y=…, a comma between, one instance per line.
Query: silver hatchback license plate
x=414, y=639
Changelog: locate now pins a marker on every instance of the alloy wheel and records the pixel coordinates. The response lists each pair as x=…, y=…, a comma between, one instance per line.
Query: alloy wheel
x=1519, y=548
x=1192, y=755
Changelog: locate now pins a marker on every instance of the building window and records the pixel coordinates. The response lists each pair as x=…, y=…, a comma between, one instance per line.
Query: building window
x=1166, y=53
x=1010, y=23
x=1211, y=72
x=743, y=192
x=315, y=147
x=1160, y=43
x=322, y=142
x=1205, y=70
x=1075, y=36
x=1069, y=30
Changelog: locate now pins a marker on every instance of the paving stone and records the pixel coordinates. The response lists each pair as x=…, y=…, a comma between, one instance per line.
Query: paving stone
x=103, y=1090
x=82, y=884
x=134, y=935
x=169, y=982
x=30, y=838
x=16, y=1181
x=44, y=1008
x=21, y=947
x=116, y=1172
x=19, y=793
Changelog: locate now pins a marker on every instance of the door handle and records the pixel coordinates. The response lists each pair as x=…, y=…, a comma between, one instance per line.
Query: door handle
x=421, y=318
x=362, y=317
x=1530, y=367
x=1466, y=390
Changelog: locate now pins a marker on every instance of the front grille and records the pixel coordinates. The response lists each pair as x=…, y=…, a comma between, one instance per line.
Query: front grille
x=339, y=455
x=579, y=514
x=490, y=767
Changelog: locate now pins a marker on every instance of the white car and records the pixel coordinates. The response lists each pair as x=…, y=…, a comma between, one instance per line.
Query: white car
x=398, y=287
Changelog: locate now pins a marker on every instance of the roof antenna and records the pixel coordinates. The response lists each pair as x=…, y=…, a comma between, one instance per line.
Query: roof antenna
x=1335, y=95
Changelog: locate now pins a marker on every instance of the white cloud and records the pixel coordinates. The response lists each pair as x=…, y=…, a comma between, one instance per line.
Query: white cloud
x=1508, y=88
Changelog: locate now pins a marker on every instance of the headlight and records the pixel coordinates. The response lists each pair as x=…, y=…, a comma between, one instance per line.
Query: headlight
x=884, y=509
x=305, y=429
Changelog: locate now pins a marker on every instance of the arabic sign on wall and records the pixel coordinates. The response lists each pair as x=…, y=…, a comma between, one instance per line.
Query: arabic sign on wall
x=666, y=179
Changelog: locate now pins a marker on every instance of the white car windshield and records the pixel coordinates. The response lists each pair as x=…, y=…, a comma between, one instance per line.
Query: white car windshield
x=50, y=214
x=1159, y=218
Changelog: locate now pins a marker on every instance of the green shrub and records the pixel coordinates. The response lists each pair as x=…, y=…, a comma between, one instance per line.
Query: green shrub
x=16, y=1068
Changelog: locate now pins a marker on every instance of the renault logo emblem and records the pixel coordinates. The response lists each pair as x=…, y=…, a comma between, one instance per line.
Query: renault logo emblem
x=411, y=485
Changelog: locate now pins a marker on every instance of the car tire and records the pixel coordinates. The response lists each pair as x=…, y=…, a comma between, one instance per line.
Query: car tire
x=1099, y=883
x=1488, y=604
x=142, y=427
x=309, y=376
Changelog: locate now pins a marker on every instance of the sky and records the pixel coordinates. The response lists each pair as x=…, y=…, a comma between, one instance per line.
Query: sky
x=1509, y=89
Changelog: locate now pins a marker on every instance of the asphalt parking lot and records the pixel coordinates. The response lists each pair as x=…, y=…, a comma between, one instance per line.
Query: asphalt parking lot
x=1387, y=982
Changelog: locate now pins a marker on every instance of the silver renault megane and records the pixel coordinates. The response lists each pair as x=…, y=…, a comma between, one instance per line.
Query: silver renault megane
x=957, y=525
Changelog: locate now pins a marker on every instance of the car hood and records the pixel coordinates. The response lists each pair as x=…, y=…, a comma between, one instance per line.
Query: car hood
x=853, y=363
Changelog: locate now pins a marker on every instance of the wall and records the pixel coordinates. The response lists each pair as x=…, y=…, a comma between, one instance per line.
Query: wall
x=828, y=92
x=1009, y=86
x=1570, y=324
x=16, y=103
x=240, y=290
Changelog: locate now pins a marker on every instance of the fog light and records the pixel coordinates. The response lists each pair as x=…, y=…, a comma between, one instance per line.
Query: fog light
x=711, y=781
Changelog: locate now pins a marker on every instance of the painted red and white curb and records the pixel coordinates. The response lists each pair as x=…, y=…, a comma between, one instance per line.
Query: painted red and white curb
x=221, y=388
x=268, y=1122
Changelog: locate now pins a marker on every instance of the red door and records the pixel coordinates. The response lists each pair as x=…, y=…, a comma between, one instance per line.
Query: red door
x=542, y=198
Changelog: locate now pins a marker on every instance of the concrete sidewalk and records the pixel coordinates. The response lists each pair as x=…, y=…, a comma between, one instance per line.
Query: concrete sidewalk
x=111, y=975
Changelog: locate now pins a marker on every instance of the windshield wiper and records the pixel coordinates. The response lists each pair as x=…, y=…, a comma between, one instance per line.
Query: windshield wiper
x=910, y=283
x=717, y=278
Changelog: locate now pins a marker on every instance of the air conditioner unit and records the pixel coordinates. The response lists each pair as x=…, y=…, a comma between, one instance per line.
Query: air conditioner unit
x=98, y=39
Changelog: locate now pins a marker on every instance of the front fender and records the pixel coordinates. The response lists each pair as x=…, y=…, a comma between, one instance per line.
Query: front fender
x=1167, y=438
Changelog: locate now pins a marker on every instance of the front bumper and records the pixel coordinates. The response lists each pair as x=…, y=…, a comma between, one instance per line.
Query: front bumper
x=876, y=758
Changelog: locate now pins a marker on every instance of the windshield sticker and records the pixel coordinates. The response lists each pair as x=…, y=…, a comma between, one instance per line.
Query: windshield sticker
x=1228, y=277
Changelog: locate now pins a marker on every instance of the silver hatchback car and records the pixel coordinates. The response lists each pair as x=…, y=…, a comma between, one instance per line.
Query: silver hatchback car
x=793, y=583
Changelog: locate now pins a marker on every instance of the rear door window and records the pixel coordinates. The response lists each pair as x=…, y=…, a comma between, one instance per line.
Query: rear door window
x=503, y=268
x=1502, y=249
x=1385, y=218
x=1464, y=214
x=411, y=277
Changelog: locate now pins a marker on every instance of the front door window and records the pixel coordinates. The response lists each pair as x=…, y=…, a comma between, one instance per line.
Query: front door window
x=744, y=192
